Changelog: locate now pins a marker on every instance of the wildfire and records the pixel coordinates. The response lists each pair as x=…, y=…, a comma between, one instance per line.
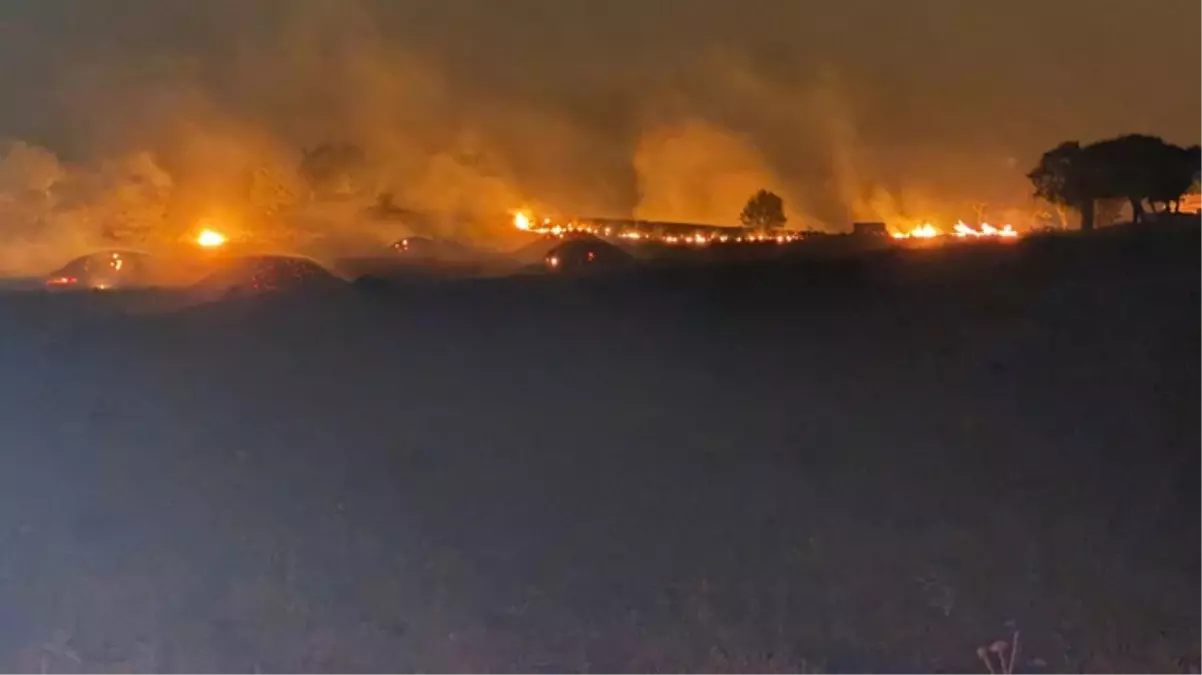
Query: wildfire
x=547, y=226
x=960, y=230
x=924, y=231
x=210, y=238
x=523, y=220
x=987, y=230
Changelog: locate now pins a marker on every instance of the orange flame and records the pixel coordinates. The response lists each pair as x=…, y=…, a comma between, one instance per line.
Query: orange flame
x=547, y=226
x=924, y=231
x=210, y=238
x=987, y=230
x=960, y=230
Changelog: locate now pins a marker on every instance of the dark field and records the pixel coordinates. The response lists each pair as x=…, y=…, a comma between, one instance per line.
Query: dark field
x=873, y=463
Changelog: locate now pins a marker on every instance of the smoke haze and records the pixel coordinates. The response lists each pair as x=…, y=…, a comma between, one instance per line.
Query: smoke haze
x=143, y=114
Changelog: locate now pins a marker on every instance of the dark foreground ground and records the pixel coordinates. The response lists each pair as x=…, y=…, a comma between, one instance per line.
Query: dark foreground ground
x=876, y=464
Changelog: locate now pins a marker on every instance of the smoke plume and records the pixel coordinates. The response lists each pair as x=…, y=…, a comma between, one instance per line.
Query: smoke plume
x=136, y=119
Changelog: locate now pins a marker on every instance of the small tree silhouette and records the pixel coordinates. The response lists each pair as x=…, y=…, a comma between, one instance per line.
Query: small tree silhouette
x=764, y=211
x=1065, y=177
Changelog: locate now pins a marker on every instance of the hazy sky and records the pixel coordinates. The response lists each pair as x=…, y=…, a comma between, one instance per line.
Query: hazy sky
x=665, y=108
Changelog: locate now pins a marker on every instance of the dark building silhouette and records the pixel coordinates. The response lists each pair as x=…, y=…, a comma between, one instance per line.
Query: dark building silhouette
x=869, y=230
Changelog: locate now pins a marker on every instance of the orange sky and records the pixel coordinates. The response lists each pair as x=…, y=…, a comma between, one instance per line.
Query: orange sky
x=670, y=109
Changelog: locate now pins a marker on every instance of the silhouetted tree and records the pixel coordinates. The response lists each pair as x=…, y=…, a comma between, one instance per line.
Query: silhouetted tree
x=764, y=211
x=1064, y=177
x=1176, y=175
x=1128, y=166
x=978, y=209
x=1133, y=167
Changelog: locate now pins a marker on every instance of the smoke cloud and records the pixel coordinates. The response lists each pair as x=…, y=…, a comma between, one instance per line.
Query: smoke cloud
x=139, y=118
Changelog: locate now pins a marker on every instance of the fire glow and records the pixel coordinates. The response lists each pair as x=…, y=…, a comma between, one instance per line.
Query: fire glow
x=210, y=238
x=960, y=230
x=699, y=237
x=550, y=227
x=987, y=230
x=924, y=231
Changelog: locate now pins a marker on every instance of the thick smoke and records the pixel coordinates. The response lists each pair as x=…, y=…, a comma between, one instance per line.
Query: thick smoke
x=696, y=172
x=138, y=118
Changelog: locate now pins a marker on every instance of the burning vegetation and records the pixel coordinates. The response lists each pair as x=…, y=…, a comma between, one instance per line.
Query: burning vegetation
x=960, y=230
x=681, y=234
x=642, y=231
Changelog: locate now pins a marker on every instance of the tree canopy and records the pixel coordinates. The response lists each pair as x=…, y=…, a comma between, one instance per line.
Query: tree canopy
x=1134, y=167
x=764, y=211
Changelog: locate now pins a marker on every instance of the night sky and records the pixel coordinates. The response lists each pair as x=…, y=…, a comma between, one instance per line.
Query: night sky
x=672, y=109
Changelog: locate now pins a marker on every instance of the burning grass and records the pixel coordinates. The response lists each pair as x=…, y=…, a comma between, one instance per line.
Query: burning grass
x=960, y=230
x=672, y=234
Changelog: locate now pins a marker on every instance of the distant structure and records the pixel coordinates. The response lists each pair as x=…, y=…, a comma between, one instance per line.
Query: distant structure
x=868, y=230
x=1190, y=203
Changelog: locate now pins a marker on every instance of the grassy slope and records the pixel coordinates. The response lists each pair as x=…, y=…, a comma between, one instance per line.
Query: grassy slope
x=873, y=465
